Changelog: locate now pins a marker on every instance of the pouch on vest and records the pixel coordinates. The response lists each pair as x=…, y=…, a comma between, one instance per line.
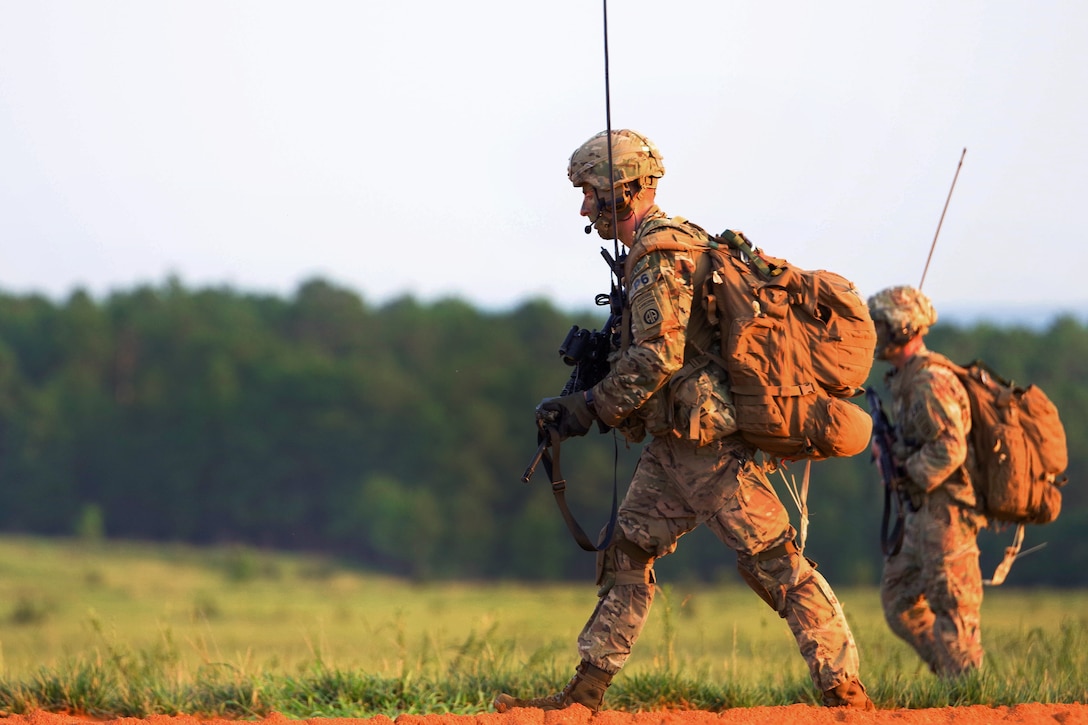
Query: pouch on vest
x=702, y=410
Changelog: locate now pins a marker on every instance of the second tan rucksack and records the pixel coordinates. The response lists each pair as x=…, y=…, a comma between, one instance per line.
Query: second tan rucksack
x=1019, y=443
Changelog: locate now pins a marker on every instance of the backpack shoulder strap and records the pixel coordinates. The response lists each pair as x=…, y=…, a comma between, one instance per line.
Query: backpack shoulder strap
x=650, y=239
x=654, y=236
x=936, y=358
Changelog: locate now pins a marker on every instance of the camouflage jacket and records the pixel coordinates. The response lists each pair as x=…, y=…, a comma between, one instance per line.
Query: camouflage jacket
x=661, y=383
x=932, y=420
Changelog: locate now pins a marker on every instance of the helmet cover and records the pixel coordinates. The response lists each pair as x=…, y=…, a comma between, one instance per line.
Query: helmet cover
x=905, y=311
x=634, y=158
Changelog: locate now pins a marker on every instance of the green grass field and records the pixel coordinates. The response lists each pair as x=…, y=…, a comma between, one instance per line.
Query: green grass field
x=129, y=630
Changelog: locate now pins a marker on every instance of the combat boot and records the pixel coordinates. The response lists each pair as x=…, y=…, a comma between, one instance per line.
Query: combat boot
x=849, y=694
x=585, y=688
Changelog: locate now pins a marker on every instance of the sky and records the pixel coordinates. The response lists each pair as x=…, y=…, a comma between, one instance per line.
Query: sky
x=421, y=148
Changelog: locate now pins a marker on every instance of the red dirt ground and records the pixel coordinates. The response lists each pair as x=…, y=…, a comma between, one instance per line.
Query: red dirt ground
x=1030, y=714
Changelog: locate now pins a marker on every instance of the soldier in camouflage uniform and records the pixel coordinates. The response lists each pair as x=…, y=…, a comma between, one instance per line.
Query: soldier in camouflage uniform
x=932, y=588
x=695, y=470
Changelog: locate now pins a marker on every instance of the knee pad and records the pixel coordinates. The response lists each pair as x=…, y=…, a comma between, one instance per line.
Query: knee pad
x=636, y=567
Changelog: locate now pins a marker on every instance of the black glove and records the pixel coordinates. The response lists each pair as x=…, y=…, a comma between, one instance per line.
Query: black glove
x=569, y=415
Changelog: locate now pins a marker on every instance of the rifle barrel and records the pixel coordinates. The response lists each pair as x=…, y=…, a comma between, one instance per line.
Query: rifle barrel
x=531, y=468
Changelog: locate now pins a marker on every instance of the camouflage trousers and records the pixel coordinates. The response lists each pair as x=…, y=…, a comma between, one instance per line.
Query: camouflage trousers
x=932, y=589
x=676, y=487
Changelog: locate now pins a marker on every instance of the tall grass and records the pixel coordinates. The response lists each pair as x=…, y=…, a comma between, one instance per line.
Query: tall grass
x=125, y=630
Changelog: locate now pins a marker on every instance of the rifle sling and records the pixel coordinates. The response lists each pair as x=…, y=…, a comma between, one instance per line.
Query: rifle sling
x=551, y=461
x=891, y=543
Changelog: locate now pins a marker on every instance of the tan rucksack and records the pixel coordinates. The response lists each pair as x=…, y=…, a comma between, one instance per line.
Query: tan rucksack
x=1020, y=453
x=796, y=344
x=1019, y=444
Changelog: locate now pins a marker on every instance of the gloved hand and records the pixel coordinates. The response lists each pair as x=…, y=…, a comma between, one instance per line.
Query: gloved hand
x=568, y=414
x=915, y=491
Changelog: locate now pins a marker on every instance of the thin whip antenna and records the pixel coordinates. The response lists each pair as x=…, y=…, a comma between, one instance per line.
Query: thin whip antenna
x=608, y=136
x=939, y=223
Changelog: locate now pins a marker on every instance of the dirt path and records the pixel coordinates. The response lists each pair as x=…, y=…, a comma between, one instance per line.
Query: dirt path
x=1030, y=714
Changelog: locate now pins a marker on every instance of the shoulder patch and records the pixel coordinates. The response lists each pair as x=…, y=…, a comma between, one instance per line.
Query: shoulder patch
x=647, y=315
x=640, y=280
x=646, y=307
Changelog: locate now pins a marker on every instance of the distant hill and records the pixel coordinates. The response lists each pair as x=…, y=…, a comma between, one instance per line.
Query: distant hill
x=1010, y=315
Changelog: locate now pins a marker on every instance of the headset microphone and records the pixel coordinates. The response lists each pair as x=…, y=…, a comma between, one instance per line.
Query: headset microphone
x=589, y=228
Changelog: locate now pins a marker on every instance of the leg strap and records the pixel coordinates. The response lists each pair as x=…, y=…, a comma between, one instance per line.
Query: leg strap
x=608, y=572
x=636, y=576
x=786, y=548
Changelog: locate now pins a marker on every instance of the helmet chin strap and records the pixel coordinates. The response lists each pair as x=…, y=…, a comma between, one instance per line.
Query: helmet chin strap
x=890, y=339
x=622, y=211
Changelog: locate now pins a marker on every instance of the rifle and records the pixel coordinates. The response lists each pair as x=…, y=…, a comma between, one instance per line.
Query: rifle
x=891, y=473
x=587, y=352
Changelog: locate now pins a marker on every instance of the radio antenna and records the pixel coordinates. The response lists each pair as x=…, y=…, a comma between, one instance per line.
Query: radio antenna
x=608, y=137
x=939, y=223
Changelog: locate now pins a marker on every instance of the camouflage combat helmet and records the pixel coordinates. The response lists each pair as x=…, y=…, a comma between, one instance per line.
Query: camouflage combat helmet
x=634, y=158
x=904, y=311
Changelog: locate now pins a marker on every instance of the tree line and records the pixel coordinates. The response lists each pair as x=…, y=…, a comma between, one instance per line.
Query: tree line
x=393, y=436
